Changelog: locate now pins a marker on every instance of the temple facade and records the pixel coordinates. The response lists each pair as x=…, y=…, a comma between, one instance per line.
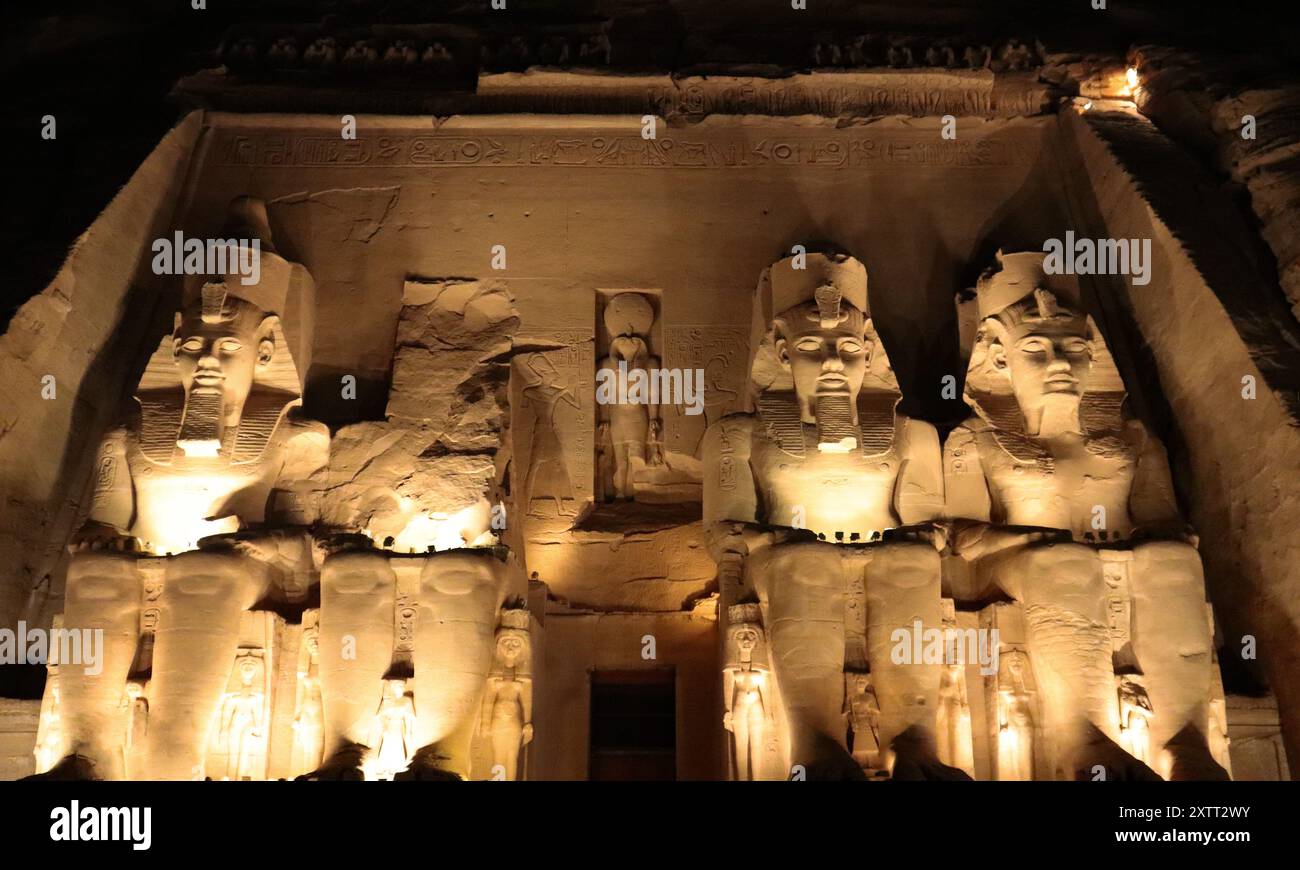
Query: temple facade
x=602, y=424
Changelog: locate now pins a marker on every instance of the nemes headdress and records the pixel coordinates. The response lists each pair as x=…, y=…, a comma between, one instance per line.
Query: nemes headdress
x=1017, y=289
x=1019, y=275
x=827, y=279
x=277, y=287
x=835, y=282
x=281, y=288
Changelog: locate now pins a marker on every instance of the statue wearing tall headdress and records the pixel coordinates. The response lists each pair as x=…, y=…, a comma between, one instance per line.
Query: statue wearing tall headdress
x=1065, y=504
x=214, y=444
x=826, y=493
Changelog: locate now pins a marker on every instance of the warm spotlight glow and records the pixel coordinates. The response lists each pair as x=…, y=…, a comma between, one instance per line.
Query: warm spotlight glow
x=1131, y=77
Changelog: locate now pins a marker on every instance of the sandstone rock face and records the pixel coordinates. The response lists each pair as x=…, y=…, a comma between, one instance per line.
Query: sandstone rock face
x=427, y=471
x=476, y=394
x=80, y=337
x=1244, y=114
x=1244, y=501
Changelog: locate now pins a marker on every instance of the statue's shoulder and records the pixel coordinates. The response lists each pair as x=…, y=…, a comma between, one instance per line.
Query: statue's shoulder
x=1139, y=437
x=300, y=432
x=125, y=431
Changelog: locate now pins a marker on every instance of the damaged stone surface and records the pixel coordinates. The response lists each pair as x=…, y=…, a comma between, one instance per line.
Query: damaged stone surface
x=1242, y=113
x=434, y=459
x=65, y=363
x=1236, y=471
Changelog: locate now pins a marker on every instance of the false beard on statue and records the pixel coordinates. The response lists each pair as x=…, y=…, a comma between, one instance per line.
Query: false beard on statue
x=200, y=433
x=836, y=432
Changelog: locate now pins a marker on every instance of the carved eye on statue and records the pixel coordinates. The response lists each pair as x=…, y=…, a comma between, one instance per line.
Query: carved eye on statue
x=193, y=344
x=1078, y=347
x=809, y=345
x=230, y=345
x=1034, y=346
x=851, y=347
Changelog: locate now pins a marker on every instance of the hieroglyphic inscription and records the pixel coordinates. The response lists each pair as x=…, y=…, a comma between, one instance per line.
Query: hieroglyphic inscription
x=722, y=353
x=561, y=388
x=829, y=151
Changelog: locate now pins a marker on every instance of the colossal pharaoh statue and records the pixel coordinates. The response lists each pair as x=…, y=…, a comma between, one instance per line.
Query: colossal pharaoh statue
x=196, y=499
x=1066, y=506
x=824, y=494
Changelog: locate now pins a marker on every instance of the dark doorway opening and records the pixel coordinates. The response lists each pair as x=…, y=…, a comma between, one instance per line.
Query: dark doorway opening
x=633, y=725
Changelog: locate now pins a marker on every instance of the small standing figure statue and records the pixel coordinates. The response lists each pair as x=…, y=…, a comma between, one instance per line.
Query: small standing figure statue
x=394, y=731
x=863, y=709
x=1135, y=714
x=241, y=719
x=745, y=689
x=309, y=718
x=1015, y=720
x=629, y=434
x=507, y=710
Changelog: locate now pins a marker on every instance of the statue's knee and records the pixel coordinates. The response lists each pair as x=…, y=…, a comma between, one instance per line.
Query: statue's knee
x=356, y=574
x=1171, y=564
x=459, y=573
x=209, y=575
x=1065, y=566
x=904, y=566
x=102, y=579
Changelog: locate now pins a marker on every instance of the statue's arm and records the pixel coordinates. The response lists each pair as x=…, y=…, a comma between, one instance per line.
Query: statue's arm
x=295, y=496
x=606, y=389
x=1153, y=505
x=968, y=505
x=731, y=492
x=918, y=492
x=728, y=696
x=408, y=722
x=966, y=490
x=113, y=493
x=762, y=702
x=654, y=410
x=485, y=709
x=526, y=698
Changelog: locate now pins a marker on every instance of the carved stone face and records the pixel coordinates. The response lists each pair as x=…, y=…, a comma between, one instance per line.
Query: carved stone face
x=823, y=360
x=247, y=671
x=222, y=357
x=629, y=348
x=746, y=639
x=509, y=648
x=1048, y=362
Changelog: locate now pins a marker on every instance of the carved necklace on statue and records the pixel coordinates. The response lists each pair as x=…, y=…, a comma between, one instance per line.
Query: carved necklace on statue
x=874, y=433
x=1099, y=414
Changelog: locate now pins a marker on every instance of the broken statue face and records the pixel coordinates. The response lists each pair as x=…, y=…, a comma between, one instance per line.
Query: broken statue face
x=1045, y=351
x=220, y=348
x=825, y=346
x=509, y=648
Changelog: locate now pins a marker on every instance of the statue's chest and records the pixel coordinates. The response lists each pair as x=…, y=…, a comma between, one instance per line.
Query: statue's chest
x=824, y=476
x=834, y=478
x=1096, y=471
x=183, y=476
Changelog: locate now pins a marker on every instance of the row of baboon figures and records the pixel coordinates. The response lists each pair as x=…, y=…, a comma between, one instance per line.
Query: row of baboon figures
x=829, y=514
